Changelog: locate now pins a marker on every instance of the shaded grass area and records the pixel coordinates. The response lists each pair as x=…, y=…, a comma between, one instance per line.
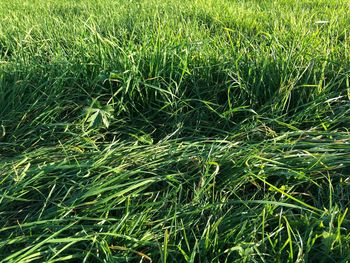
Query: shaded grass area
x=167, y=132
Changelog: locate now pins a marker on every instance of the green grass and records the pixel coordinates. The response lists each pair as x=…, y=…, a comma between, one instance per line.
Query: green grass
x=174, y=131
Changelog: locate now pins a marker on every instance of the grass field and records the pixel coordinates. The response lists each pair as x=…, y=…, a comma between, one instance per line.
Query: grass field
x=174, y=131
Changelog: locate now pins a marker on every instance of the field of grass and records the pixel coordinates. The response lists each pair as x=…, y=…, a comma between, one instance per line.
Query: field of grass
x=174, y=131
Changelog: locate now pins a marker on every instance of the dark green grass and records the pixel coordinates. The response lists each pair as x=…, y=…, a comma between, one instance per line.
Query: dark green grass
x=174, y=131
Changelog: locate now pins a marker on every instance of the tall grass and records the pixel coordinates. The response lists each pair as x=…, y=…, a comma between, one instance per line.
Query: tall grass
x=174, y=131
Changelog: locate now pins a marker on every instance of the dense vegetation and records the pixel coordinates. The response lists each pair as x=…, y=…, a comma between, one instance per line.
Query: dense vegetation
x=174, y=131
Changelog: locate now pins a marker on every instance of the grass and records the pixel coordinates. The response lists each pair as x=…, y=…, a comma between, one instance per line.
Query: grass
x=148, y=131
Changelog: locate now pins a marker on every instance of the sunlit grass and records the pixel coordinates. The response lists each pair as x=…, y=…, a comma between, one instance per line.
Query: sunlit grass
x=174, y=132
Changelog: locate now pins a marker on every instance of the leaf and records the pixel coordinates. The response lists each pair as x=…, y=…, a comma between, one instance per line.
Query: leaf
x=105, y=120
x=98, y=116
x=95, y=119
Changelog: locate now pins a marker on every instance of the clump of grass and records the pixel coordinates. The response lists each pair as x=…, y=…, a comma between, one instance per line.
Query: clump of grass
x=146, y=131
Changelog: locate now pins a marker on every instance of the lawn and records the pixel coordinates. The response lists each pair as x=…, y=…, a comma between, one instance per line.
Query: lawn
x=174, y=131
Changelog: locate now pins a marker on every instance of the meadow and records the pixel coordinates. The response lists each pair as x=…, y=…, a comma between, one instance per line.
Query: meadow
x=174, y=131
